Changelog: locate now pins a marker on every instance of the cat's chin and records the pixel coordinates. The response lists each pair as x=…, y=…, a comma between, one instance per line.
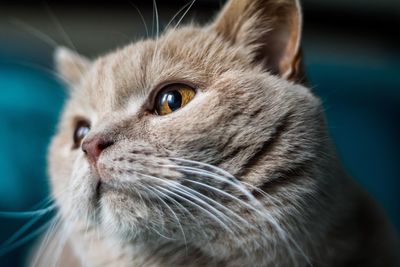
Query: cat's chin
x=121, y=213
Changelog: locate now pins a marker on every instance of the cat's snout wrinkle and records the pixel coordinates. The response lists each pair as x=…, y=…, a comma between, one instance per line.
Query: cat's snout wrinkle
x=93, y=148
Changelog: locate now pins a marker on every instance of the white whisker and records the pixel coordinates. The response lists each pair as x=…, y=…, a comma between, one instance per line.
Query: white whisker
x=176, y=14
x=44, y=243
x=223, y=193
x=141, y=17
x=35, y=32
x=172, y=212
x=62, y=241
x=26, y=214
x=184, y=14
x=284, y=235
x=4, y=249
x=60, y=27
x=181, y=189
x=157, y=18
x=210, y=215
x=232, y=181
x=180, y=206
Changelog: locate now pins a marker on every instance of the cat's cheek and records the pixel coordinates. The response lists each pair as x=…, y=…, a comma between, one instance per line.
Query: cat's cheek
x=194, y=121
x=60, y=162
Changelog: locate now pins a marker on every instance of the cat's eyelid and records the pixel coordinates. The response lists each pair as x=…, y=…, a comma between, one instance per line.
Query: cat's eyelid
x=150, y=102
x=79, y=119
x=184, y=110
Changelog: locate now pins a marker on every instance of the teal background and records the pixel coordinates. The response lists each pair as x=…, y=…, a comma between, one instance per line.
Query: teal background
x=356, y=75
x=30, y=101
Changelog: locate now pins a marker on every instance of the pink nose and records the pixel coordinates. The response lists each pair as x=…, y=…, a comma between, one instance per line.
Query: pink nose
x=93, y=148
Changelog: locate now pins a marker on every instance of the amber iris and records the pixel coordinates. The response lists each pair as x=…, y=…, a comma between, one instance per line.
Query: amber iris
x=173, y=97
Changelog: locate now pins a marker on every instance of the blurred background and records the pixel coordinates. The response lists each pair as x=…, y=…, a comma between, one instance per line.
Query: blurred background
x=352, y=54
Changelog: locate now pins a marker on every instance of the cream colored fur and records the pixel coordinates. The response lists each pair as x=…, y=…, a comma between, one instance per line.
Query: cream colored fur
x=287, y=200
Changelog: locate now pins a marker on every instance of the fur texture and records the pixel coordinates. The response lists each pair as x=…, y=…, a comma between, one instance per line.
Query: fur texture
x=243, y=175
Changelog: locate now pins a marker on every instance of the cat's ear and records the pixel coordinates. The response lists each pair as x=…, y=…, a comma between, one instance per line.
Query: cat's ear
x=70, y=65
x=272, y=28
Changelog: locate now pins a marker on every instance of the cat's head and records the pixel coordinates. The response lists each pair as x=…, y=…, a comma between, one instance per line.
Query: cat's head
x=173, y=138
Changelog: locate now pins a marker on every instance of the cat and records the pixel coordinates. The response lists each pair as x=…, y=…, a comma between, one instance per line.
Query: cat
x=205, y=147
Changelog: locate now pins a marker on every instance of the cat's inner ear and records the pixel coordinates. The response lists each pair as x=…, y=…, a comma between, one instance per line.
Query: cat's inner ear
x=271, y=28
x=70, y=65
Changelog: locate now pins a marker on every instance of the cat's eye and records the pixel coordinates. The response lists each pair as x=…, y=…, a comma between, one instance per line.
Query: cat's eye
x=82, y=128
x=173, y=97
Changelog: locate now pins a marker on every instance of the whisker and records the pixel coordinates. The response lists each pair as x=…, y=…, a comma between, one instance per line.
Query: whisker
x=223, y=193
x=26, y=214
x=5, y=248
x=34, y=31
x=182, y=208
x=283, y=234
x=44, y=202
x=64, y=34
x=24, y=228
x=206, y=198
x=158, y=48
x=184, y=14
x=157, y=19
x=176, y=14
x=52, y=232
x=172, y=212
x=215, y=168
x=233, y=182
x=141, y=17
x=182, y=190
x=59, y=26
x=43, y=243
x=166, y=237
x=36, y=66
x=211, y=215
x=62, y=241
x=21, y=231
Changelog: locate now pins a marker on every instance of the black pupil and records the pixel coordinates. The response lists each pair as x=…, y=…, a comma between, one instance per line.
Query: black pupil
x=174, y=100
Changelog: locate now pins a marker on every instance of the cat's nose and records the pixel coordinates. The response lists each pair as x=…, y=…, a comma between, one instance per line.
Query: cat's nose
x=94, y=146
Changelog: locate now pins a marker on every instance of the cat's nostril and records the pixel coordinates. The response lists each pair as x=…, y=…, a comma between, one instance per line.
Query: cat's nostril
x=93, y=148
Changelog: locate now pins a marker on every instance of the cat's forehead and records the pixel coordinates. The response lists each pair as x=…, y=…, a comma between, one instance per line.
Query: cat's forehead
x=192, y=55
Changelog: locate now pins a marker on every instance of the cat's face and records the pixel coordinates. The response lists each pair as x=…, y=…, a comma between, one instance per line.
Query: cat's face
x=147, y=127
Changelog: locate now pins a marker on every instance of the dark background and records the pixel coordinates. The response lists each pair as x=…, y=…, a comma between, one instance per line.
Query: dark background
x=352, y=54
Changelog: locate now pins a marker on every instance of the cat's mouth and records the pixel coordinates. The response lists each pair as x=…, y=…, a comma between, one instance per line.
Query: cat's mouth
x=103, y=188
x=99, y=189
